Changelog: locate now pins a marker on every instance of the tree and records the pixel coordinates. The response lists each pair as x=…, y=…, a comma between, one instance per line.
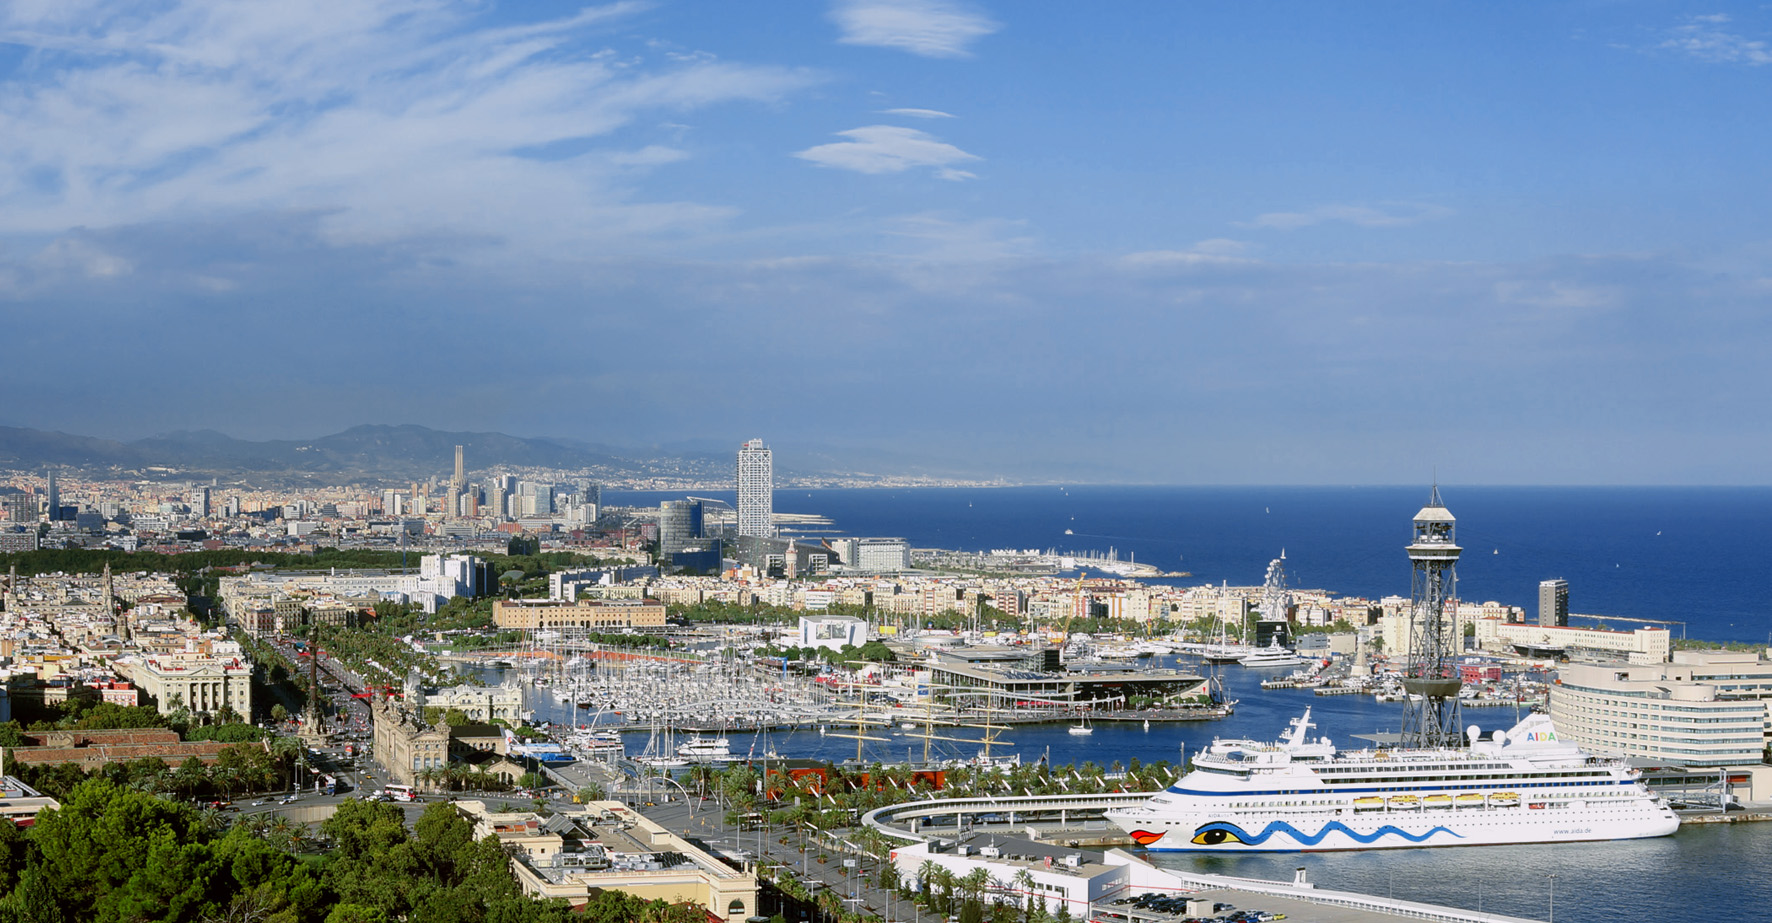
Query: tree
x=12, y=855
x=98, y=846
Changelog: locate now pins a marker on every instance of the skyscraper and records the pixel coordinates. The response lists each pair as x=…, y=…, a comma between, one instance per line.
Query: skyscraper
x=756, y=489
x=54, y=498
x=1553, y=603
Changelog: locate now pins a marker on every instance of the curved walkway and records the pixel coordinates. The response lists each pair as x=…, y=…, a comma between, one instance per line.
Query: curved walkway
x=882, y=819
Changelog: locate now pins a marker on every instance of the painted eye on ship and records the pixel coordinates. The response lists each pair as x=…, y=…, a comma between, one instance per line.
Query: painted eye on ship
x=1217, y=835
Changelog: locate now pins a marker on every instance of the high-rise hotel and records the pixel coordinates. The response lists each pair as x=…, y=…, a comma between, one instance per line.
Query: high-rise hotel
x=756, y=489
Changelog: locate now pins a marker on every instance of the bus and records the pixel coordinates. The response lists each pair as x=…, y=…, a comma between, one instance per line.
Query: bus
x=400, y=793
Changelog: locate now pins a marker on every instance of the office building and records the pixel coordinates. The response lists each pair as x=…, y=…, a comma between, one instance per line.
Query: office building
x=21, y=507
x=756, y=490
x=54, y=496
x=679, y=525
x=14, y=541
x=879, y=555
x=1553, y=603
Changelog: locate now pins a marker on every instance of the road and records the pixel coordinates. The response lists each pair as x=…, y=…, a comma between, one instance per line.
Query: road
x=704, y=821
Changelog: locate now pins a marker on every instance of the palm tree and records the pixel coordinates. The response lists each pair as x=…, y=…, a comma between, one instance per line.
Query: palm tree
x=1024, y=880
x=973, y=883
x=946, y=878
x=926, y=873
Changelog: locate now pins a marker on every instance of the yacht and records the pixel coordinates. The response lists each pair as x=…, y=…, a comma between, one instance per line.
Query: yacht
x=1522, y=785
x=1273, y=655
x=699, y=749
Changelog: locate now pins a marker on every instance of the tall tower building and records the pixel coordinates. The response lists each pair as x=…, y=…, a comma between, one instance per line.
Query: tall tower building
x=54, y=498
x=1553, y=603
x=1431, y=718
x=461, y=480
x=756, y=489
x=200, y=502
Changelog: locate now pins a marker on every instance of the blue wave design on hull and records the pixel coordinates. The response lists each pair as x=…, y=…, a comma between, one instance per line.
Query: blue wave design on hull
x=1219, y=833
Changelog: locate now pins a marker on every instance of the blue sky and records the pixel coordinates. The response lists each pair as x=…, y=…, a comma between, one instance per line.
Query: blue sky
x=1159, y=242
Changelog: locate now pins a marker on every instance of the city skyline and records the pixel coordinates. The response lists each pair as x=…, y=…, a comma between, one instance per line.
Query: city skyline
x=1147, y=243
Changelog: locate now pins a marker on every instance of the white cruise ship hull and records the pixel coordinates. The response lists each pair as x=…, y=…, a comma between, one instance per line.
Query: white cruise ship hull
x=1290, y=832
x=1524, y=785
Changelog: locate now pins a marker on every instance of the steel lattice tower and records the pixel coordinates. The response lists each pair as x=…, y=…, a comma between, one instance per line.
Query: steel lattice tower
x=1431, y=716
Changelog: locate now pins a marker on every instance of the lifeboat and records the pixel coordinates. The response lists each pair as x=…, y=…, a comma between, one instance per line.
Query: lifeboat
x=1368, y=803
x=1437, y=801
x=1404, y=802
x=1505, y=799
x=1470, y=800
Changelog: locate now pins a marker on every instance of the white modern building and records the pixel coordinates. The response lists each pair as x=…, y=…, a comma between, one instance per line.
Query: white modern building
x=833, y=631
x=874, y=555
x=756, y=489
x=1656, y=712
x=1646, y=645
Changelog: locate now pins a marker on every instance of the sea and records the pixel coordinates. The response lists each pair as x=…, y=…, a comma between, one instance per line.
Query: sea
x=1698, y=558
x=1695, y=558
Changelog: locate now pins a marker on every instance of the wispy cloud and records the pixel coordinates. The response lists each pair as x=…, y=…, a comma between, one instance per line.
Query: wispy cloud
x=391, y=116
x=931, y=28
x=890, y=149
x=918, y=113
x=1393, y=216
x=1218, y=251
x=1708, y=38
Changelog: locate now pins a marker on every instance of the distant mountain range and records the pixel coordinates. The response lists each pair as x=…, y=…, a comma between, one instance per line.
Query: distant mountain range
x=374, y=454
x=359, y=454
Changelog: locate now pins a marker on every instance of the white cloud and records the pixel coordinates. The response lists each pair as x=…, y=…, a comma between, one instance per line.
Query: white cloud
x=1218, y=251
x=1555, y=293
x=931, y=28
x=918, y=113
x=1360, y=215
x=943, y=238
x=395, y=117
x=1705, y=38
x=890, y=149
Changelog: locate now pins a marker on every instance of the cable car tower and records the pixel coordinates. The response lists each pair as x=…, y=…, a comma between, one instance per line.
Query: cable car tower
x=1431, y=715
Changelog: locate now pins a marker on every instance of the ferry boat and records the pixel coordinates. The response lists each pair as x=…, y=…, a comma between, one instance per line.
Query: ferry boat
x=1305, y=795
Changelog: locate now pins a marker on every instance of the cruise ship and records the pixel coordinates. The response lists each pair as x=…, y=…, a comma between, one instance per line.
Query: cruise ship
x=1523, y=785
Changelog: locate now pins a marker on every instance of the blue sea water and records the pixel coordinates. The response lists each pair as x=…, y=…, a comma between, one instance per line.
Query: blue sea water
x=1697, y=556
